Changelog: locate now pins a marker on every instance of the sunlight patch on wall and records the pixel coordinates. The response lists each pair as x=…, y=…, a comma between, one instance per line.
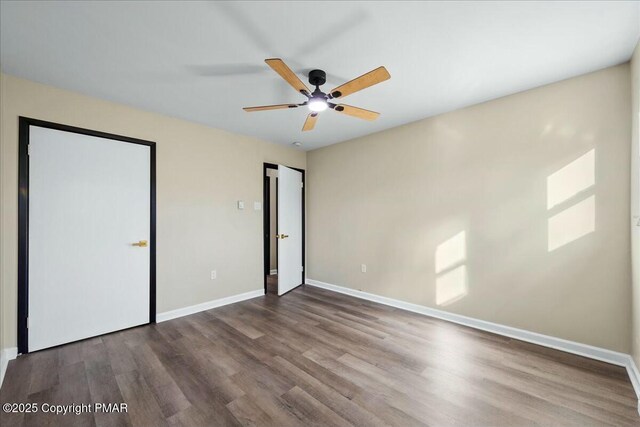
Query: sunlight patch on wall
x=578, y=215
x=451, y=252
x=451, y=286
x=451, y=273
x=572, y=223
x=575, y=177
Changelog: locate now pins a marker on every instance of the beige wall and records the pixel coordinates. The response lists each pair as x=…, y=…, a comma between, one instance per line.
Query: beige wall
x=390, y=200
x=635, y=201
x=201, y=173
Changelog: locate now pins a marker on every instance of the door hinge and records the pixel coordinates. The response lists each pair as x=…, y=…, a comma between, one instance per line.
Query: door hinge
x=28, y=149
x=302, y=185
x=27, y=322
x=301, y=269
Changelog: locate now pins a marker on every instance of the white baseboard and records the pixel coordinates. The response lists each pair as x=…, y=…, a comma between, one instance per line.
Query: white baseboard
x=185, y=311
x=634, y=376
x=6, y=355
x=592, y=352
x=273, y=271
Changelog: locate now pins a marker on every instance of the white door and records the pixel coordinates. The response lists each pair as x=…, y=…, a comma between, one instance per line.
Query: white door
x=89, y=201
x=289, y=229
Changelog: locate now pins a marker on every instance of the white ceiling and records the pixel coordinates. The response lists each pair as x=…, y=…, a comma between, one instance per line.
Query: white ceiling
x=203, y=61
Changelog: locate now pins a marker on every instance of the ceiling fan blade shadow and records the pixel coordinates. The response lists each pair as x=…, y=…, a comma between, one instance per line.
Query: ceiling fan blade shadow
x=251, y=29
x=260, y=39
x=246, y=25
x=332, y=31
x=221, y=70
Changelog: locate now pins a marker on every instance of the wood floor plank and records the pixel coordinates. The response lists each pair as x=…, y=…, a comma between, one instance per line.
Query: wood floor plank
x=120, y=356
x=79, y=394
x=15, y=389
x=44, y=373
x=248, y=413
x=329, y=396
x=314, y=357
x=165, y=390
x=238, y=319
x=143, y=409
x=312, y=411
x=103, y=388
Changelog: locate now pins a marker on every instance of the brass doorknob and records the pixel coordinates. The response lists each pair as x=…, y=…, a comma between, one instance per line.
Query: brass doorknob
x=141, y=244
x=282, y=236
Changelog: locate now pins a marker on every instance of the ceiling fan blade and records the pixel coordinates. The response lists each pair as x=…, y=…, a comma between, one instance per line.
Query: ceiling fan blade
x=310, y=122
x=360, y=113
x=373, y=77
x=223, y=70
x=270, y=107
x=285, y=72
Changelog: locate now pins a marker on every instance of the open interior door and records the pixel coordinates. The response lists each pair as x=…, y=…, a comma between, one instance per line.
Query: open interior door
x=290, y=229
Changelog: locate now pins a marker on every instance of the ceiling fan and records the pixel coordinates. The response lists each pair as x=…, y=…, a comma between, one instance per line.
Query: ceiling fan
x=318, y=100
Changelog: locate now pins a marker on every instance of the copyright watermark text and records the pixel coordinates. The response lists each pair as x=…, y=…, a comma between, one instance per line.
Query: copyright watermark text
x=71, y=408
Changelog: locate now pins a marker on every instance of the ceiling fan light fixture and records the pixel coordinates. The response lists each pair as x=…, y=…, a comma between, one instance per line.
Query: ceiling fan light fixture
x=317, y=104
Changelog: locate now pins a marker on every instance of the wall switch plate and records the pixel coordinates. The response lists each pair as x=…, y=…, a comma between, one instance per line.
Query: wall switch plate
x=257, y=206
x=363, y=268
x=214, y=274
x=240, y=204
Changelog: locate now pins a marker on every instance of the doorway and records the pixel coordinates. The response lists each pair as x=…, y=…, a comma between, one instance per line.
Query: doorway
x=283, y=228
x=86, y=234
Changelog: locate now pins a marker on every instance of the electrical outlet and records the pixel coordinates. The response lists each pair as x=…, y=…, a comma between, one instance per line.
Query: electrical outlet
x=214, y=274
x=257, y=206
x=363, y=268
x=240, y=204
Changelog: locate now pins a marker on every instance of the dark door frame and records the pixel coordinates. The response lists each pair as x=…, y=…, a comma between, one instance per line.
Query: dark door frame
x=23, y=217
x=266, y=220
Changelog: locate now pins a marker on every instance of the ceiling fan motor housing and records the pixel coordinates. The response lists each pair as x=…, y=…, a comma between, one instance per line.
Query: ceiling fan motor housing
x=317, y=77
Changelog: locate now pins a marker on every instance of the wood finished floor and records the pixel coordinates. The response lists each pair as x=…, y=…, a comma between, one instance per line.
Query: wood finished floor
x=314, y=357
